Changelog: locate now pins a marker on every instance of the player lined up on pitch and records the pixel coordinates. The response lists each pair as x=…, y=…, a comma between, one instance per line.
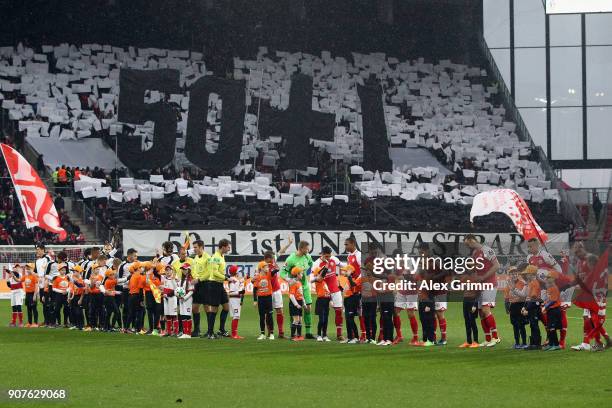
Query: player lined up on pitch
x=165, y=296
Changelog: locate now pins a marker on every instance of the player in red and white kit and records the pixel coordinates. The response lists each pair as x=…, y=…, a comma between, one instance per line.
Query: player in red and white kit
x=185, y=302
x=601, y=331
x=235, y=286
x=168, y=287
x=326, y=268
x=13, y=278
x=486, y=273
x=353, y=261
x=406, y=300
x=592, y=325
x=548, y=266
x=581, y=269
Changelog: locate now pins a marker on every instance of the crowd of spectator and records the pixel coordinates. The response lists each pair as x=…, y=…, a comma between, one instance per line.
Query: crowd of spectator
x=63, y=177
x=13, y=229
x=385, y=213
x=181, y=212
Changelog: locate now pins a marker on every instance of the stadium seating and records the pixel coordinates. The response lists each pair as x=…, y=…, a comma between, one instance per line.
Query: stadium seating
x=204, y=204
x=71, y=92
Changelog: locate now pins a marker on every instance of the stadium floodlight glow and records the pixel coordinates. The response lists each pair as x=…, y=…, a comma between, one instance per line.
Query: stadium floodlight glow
x=577, y=6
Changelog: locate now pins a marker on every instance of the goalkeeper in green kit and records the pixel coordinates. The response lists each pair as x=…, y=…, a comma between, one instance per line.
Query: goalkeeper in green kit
x=302, y=259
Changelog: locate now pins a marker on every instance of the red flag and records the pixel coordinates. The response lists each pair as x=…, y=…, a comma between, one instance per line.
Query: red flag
x=594, y=285
x=509, y=202
x=34, y=199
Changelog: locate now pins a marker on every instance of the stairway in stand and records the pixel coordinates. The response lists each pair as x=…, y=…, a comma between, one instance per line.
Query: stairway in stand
x=88, y=230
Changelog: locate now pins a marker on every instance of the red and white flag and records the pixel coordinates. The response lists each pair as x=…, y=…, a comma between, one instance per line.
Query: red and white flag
x=509, y=202
x=35, y=201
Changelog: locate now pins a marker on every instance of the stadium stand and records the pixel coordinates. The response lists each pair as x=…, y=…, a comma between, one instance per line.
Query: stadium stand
x=70, y=92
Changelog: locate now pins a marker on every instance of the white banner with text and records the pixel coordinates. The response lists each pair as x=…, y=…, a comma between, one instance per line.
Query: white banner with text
x=253, y=243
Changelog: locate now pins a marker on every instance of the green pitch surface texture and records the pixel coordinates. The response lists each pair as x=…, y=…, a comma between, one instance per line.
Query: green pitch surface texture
x=118, y=370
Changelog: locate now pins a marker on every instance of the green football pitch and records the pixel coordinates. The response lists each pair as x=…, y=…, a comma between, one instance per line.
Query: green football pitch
x=117, y=370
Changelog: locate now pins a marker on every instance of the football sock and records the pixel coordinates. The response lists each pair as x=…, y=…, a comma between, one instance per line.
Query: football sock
x=222, y=319
x=235, y=327
x=491, y=325
x=443, y=328
x=485, y=329
x=397, y=323
x=338, y=321
x=308, y=321
x=594, y=332
x=414, y=326
x=186, y=327
x=211, y=316
x=280, y=320
x=196, y=323
x=586, y=328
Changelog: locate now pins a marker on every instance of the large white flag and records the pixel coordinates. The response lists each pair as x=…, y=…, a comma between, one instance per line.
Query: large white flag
x=509, y=202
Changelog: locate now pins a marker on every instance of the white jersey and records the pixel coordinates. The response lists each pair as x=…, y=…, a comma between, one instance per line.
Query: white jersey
x=52, y=271
x=186, y=284
x=235, y=285
x=111, y=255
x=86, y=265
x=168, y=259
x=168, y=284
x=41, y=269
x=123, y=274
x=186, y=302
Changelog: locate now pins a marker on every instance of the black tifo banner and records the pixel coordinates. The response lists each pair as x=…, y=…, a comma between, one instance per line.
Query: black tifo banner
x=297, y=124
x=249, y=245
